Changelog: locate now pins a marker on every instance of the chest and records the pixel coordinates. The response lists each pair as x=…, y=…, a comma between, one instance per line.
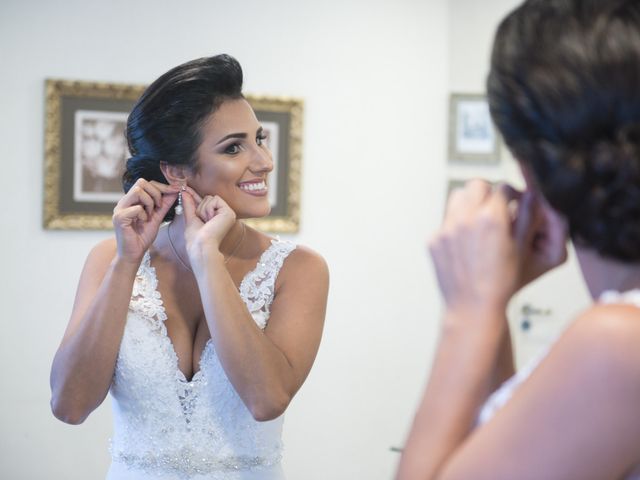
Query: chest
x=158, y=348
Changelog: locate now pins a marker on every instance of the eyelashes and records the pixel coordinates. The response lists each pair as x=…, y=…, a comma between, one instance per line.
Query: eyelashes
x=235, y=148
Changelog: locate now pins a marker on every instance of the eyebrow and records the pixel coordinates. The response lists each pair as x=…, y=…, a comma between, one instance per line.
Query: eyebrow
x=237, y=135
x=232, y=135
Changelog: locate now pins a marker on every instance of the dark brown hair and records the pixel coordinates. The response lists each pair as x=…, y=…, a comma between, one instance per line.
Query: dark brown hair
x=165, y=123
x=564, y=90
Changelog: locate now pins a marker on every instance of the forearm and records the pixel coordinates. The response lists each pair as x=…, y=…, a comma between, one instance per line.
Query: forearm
x=462, y=377
x=83, y=366
x=257, y=368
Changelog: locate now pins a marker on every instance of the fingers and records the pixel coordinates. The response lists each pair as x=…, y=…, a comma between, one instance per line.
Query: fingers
x=476, y=195
x=129, y=215
x=140, y=196
x=526, y=219
x=477, y=191
x=207, y=208
x=204, y=208
x=144, y=201
x=210, y=206
x=194, y=194
x=464, y=201
x=189, y=205
x=148, y=194
x=167, y=200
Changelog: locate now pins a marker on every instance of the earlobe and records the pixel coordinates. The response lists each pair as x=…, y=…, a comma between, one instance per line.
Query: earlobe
x=175, y=174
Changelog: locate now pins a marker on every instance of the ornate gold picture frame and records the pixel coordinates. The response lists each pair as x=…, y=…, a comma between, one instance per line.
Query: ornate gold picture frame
x=85, y=151
x=281, y=118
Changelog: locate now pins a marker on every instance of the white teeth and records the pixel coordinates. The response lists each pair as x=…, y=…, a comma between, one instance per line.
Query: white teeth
x=253, y=186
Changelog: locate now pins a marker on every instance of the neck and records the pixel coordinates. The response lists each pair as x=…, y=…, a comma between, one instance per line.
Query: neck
x=230, y=244
x=602, y=273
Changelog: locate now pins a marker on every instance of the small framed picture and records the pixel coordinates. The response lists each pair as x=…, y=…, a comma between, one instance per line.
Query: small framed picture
x=473, y=138
x=86, y=152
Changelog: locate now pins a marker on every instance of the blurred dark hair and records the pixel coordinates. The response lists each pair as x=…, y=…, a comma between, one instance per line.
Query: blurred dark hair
x=164, y=125
x=564, y=90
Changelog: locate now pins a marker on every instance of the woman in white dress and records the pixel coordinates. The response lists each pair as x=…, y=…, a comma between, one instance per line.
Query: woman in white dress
x=564, y=90
x=202, y=328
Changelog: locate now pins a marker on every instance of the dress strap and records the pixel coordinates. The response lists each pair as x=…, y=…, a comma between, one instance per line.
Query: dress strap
x=145, y=297
x=612, y=296
x=258, y=287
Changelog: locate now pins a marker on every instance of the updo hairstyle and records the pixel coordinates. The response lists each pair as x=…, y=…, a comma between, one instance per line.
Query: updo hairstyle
x=165, y=123
x=564, y=90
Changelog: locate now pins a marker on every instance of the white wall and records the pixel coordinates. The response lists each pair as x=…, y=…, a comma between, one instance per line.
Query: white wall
x=373, y=74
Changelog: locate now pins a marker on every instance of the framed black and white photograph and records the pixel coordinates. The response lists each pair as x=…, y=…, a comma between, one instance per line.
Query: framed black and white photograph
x=99, y=154
x=473, y=139
x=86, y=151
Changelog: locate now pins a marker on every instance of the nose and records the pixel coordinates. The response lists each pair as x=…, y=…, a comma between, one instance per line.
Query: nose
x=262, y=160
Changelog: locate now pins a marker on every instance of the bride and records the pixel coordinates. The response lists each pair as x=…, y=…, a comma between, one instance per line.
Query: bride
x=202, y=328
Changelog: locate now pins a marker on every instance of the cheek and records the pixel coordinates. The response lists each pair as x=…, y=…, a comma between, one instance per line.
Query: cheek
x=213, y=180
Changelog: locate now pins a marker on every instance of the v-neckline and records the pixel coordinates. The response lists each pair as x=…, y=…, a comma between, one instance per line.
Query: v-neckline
x=180, y=376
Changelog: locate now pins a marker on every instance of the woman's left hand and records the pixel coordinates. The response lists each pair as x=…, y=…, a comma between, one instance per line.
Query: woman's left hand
x=208, y=220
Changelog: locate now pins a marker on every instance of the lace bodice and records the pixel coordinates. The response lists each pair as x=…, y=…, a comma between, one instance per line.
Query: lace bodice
x=164, y=424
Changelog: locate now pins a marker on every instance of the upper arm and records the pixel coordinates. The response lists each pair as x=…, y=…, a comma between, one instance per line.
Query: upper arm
x=575, y=417
x=93, y=273
x=298, y=310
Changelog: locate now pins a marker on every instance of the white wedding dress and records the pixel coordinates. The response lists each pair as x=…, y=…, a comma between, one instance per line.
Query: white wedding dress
x=168, y=428
x=504, y=393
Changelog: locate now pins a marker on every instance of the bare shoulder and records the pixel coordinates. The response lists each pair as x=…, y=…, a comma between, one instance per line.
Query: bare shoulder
x=607, y=334
x=100, y=258
x=595, y=369
x=104, y=250
x=106, y=247
x=303, y=257
x=575, y=416
x=304, y=263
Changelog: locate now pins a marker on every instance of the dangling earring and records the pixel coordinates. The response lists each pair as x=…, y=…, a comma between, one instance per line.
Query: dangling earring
x=179, y=208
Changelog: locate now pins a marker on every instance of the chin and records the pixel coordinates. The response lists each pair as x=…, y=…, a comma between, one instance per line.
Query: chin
x=253, y=212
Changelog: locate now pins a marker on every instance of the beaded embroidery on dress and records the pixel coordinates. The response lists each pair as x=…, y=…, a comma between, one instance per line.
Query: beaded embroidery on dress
x=504, y=393
x=166, y=427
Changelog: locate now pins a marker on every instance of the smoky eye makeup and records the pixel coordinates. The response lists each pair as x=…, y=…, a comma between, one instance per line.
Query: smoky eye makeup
x=232, y=148
x=261, y=136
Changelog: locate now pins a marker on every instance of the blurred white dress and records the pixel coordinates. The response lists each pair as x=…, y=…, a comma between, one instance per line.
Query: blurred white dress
x=168, y=428
x=504, y=393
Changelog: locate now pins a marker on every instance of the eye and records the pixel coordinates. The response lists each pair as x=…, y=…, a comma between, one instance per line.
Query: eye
x=232, y=149
x=261, y=138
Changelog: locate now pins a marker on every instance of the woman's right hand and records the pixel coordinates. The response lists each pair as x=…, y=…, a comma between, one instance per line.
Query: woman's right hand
x=476, y=257
x=138, y=215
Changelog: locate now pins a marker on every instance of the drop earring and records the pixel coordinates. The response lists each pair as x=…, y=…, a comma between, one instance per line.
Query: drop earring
x=179, y=208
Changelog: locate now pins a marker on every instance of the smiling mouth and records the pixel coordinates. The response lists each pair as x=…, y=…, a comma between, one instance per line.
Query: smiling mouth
x=254, y=187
